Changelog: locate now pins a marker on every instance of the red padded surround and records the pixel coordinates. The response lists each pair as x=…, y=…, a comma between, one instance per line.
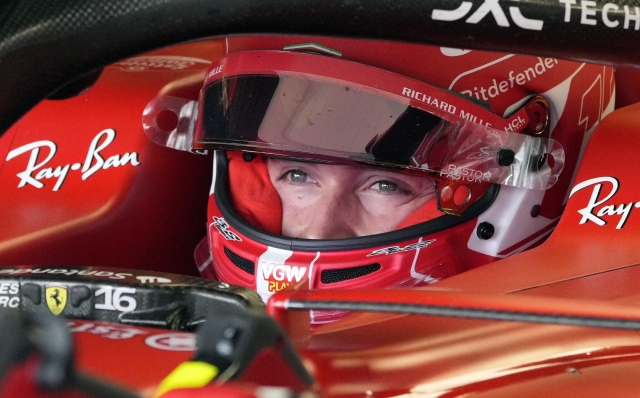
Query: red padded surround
x=252, y=194
x=426, y=212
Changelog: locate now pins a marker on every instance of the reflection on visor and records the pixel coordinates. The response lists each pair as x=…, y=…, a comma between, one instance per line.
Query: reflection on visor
x=309, y=116
x=302, y=117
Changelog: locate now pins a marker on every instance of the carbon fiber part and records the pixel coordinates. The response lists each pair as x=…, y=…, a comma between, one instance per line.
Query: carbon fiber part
x=44, y=45
x=469, y=313
x=155, y=299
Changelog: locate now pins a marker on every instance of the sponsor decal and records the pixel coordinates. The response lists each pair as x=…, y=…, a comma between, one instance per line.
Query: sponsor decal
x=152, y=279
x=9, y=288
x=172, y=342
x=64, y=271
x=516, y=124
x=266, y=284
x=599, y=211
x=10, y=302
x=440, y=104
x=456, y=173
x=496, y=87
x=473, y=118
x=611, y=15
x=433, y=101
x=280, y=276
x=115, y=332
x=36, y=172
x=488, y=7
x=56, y=298
x=214, y=71
x=8, y=295
x=398, y=249
x=223, y=228
x=160, y=62
x=116, y=299
x=589, y=10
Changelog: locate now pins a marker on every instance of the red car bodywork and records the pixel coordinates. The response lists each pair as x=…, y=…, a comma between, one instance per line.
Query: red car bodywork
x=114, y=206
x=151, y=215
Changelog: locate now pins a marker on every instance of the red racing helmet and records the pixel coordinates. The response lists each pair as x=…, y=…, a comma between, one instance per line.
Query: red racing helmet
x=498, y=137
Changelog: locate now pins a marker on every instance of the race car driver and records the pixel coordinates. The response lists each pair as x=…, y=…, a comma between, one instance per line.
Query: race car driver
x=329, y=201
x=357, y=164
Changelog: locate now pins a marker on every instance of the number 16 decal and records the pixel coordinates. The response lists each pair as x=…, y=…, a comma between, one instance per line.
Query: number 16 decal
x=115, y=299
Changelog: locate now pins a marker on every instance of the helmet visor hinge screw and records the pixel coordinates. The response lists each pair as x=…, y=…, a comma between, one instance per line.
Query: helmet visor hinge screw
x=506, y=157
x=485, y=230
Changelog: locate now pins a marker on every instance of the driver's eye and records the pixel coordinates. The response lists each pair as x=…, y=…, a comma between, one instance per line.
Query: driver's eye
x=387, y=186
x=297, y=176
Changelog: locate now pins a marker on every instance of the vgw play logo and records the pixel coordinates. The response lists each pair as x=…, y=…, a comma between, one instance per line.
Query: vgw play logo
x=280, y=276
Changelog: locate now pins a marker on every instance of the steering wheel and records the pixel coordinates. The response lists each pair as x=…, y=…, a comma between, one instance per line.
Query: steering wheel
x=44, y=45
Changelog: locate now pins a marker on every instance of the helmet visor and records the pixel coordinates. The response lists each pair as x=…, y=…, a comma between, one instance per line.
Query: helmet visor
x=327, y=119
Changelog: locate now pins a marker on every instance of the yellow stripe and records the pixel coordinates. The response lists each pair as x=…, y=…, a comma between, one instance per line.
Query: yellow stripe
x=188, y=375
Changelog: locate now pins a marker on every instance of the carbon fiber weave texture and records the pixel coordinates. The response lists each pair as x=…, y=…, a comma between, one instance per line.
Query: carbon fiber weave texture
x=44, y=44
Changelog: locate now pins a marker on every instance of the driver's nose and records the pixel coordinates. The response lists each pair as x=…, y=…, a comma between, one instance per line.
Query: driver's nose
x=332, y=217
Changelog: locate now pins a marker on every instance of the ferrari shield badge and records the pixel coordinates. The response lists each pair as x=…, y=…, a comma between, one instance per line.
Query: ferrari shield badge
x=56, y=298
